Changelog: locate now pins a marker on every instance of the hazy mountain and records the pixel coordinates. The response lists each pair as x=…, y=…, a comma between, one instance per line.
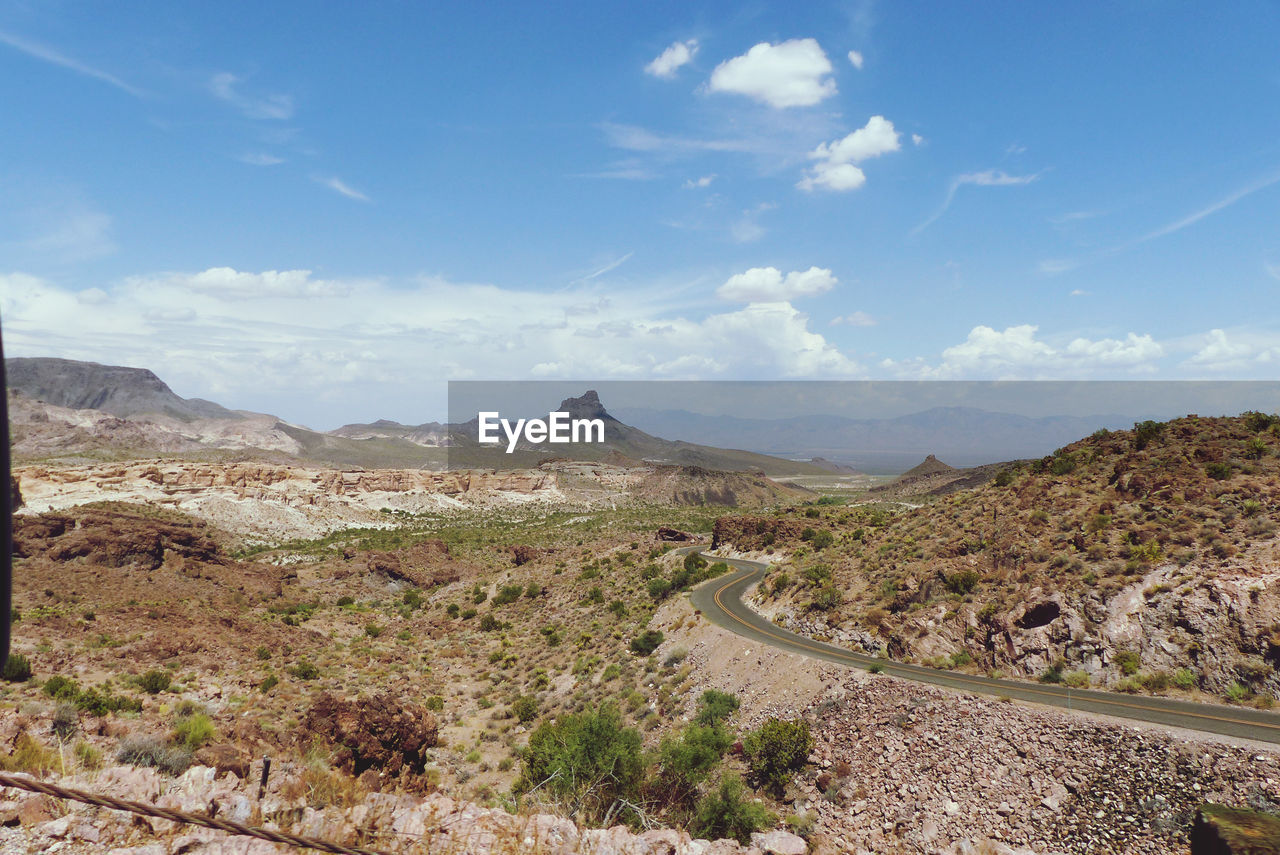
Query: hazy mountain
x=965, y=436
x=112, y=389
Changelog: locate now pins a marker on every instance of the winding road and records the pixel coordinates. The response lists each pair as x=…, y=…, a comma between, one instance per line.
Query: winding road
x=720, y=599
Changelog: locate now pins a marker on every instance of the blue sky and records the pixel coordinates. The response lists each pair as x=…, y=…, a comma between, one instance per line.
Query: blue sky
x=326, y=210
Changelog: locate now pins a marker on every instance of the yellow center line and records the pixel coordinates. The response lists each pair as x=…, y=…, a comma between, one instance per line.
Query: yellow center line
x=988, y=687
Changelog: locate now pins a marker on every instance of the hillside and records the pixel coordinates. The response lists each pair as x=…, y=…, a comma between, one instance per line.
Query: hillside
x=112, y=389
x=1143, y=560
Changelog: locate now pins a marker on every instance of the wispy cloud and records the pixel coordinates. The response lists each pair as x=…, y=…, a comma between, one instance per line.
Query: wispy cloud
x=49, y=55
x=272, y=106
x=337, y=185
x=1225, y=202
x=670, y=60
x=986, y=178
x=612, y=265
x=635, y=138
x=699, y=183
x=258, y=158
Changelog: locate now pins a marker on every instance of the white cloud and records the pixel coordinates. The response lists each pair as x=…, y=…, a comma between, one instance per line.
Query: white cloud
x=855, y=59
x=917, y=140
x=49, y=55
x=260, y=159
x=747, y=228
x=1239, y=351
x=339, y=186
x=334, y=351
x=1078, y=292
x=1018, y=353
x=986, y=178
x=698, y=183
x=793, y=73
x=273, y=106
x=855, y=319
x=835, y=169
x=670, y=60
x=768, y=285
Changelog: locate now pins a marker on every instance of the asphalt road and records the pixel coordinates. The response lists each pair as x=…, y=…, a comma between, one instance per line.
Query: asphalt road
x=721, y=601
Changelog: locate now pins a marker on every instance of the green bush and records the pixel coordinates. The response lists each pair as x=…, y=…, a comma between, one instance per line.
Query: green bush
x=17, y=668
x=659, y=589
x=61, y=688
x=686, y=760
x=962, y=582
x=1128, y=661
x=727, y=812
x=1145, y=432
x=1003, y=478
x=508, y=594
x=776, y=751
x=1184, y=678
x=304, y=670
x=525, y=708
x=142, y=750
x=715, y=707
x=373, y=630
x=346, y=601
x=268, y=683
x=1219, y=471
x=693, y=562
x=825, y=599
x=822, y=539
x=435, y=703
x=99, y=702
x=193, y=731
x=155, y=681
x=586, y=761
x=646, y=642
x=1258, y=422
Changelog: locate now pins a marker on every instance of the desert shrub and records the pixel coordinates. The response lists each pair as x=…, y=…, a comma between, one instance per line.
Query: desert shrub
x=508, y=594
x=193, y=731
x=1003, y=478
x=1255, y=448
x=553, y=635
x=776, y=751
x=17, y=668
x=1128, y=661
x=452, y=610
x=478, y=594
x=825, y=599
x=1076, y=679
x=1237, y=693
x=346, y=600
x=611, y=672
x=618, y=608
x=1145, y=432
x=676, y=656
x=1218, y=470
x=525, y=708
x=962, y=582
x=595, y=595
x=659, y=588
x=66, y=721
x=817, y=574
x=1053, y=674
x=155, y=681
x=693, y=562
x=373, y=630
x=876, y=668
x=88, y=756
x=534, y=590
x=715, y=706
x=435, y=703
x=781, y=583
x=822, y=539
x=268, y=683
x=1258, y=422
x=30, y=756
x=304, y=670
x=686, y=760
x=728, y=812
x=1157, y=681
x=1184, y=678
x=646, y=642
x=61, y=688
x=144, y=750
x=587, y=761
x=99, y=702
x=489, y=623
x=1063, y=464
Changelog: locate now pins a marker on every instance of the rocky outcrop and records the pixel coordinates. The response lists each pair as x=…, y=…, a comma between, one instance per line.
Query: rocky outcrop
x=382, y=734
x=751, y=533
x=388, y=822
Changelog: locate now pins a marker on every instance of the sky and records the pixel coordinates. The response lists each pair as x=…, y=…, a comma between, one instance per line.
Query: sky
x=327, y=210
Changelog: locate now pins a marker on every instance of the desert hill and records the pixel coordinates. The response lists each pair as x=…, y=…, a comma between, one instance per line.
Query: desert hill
x=1141, y=560
x=113, y=389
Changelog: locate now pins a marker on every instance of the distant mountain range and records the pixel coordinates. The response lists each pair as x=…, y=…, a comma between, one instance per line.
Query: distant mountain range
x=965, y=436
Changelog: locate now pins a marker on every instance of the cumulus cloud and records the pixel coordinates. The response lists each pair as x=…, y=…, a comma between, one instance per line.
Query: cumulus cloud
x=768, y=285
x=1016, y=352
x=835, y=168
x=985, y=178
x=855, y=59
x=670, y=60
x=224, y=87
x=326, y=351
x=698, y=183
x=917, y=140
x=794, y=73
x=1239, y=351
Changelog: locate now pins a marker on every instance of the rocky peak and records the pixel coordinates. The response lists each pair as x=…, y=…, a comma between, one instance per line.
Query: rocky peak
x=586, y=406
